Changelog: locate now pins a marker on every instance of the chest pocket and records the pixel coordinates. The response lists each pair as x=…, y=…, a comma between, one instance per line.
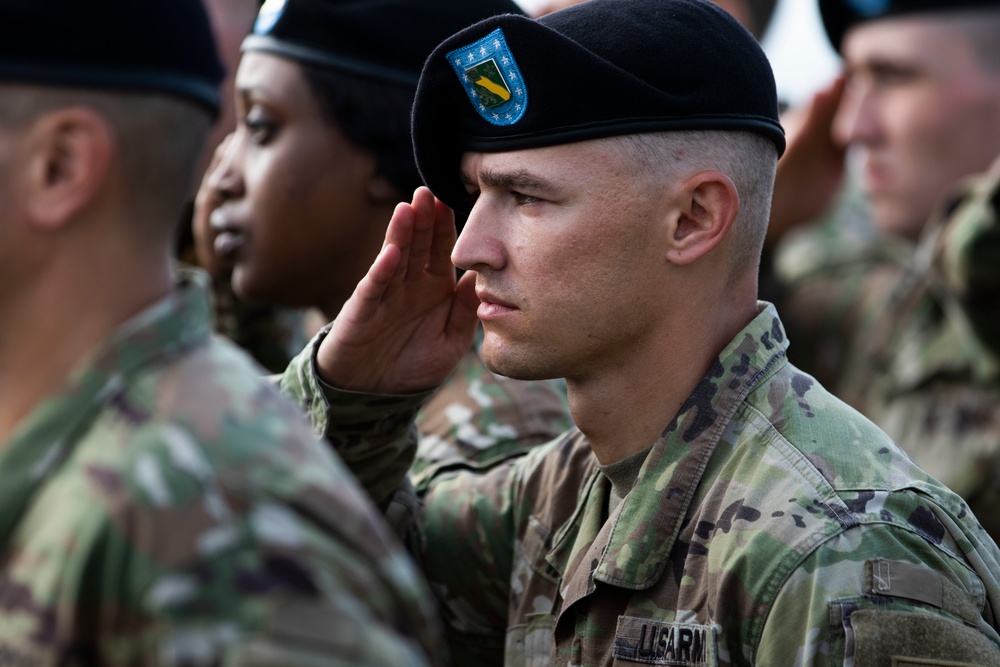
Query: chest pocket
x=530, y=644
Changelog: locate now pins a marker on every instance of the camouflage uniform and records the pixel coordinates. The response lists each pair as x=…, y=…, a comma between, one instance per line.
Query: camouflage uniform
x=770, y=524
x=166, y=507
x=478, y=418
x=911, y=338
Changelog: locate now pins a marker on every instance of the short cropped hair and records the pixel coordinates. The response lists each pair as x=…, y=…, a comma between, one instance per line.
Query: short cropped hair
x=749, y=159
x=374, y=115
x=159, y=140
x=982, y=26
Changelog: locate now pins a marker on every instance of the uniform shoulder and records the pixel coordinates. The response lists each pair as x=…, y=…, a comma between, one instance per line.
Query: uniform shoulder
x=206, y=422
x=846, y=447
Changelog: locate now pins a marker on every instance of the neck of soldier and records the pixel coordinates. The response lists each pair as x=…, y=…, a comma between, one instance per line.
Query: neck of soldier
x=624, y=408
x=86, y=287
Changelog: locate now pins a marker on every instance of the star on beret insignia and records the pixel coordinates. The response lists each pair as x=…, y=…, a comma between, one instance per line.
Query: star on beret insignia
x=491, y=78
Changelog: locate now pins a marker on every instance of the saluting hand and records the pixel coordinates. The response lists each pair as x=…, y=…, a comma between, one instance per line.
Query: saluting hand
x=409, y=321
x=812, y=168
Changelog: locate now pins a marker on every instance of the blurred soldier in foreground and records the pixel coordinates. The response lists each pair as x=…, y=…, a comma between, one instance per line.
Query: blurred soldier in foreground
x=716, y=506
x=909, y=344
x=302, y=193
x=158, y=504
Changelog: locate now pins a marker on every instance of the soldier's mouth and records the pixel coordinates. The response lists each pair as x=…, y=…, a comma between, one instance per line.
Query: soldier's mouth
x=228, y=239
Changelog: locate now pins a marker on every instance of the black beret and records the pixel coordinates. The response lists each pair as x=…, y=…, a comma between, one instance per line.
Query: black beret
x=598, y=69
x=385, y=40
x=840, y=15
x=163, y=46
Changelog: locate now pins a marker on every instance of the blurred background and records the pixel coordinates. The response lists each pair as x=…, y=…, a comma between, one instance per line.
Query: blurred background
x=795, y=43
x=800, y=54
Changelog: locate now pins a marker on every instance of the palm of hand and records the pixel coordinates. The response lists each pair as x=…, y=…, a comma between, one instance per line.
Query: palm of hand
x=409, y=321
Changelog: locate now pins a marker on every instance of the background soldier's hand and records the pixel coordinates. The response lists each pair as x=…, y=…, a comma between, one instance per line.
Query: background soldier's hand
x=812, y=168
x=409, y=322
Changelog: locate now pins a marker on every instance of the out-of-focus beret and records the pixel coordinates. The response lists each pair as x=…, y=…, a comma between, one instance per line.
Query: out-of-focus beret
x=385, y=40
x=145, y=45
x=840, y=15
x=598, y=69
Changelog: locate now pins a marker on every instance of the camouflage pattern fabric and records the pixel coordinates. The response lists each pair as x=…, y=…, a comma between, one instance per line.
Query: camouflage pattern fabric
x=478, y=418
x=770, y=524
x=168, y=508
x=911, y=338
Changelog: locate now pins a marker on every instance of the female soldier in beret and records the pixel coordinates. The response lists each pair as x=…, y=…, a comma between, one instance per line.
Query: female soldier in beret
x=299, y=200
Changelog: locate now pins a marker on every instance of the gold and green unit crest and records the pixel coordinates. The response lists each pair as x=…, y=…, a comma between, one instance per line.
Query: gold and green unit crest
x=488, y=84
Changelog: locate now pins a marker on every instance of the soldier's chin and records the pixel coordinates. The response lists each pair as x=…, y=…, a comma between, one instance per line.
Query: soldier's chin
x=895, y=220
x=249, y=289
x=515, y=364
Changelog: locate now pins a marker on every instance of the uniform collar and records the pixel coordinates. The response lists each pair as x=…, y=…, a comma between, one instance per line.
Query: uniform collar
x=631, y=548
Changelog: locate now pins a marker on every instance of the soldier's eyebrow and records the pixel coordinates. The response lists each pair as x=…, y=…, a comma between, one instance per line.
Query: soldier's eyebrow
x=249, y=93
x=520, y=179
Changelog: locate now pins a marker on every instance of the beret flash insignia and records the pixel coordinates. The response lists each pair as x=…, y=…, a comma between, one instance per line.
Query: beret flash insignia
x=491, y=79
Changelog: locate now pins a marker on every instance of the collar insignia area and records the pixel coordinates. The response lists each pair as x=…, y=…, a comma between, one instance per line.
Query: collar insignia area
x=269, y=14
x=869, y=8
x=650, y=642
x=491, y=79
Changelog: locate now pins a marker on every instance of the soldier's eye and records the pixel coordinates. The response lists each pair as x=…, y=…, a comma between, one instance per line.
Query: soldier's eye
x=260, y=126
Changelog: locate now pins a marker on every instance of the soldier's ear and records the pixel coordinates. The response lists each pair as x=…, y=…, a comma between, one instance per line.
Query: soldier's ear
x=709, y=203
x=69, y=163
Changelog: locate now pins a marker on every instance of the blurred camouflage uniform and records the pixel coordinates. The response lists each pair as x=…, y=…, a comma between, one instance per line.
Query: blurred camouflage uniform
x=911, y=338
x=169, y=508
x=770, y=524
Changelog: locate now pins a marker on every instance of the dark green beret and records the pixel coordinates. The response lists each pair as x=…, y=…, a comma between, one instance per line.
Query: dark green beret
x=840, y=15
x=162, y=46
x=385, y=40
x=598, y=69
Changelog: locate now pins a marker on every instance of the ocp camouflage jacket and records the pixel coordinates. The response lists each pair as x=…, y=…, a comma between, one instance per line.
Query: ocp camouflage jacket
x=770, y=524
x=166, y=507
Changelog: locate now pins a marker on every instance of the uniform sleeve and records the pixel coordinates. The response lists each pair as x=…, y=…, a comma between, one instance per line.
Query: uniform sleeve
x=880, y=594
x=270, y=556
x=467, y=535
x=463, y=534
x=462, y=531
x=478, y=419
x=463, y=528
x=374, y=435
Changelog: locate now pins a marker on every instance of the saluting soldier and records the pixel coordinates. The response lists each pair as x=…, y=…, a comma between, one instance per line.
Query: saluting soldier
x=892, y=331
x=716, y=506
